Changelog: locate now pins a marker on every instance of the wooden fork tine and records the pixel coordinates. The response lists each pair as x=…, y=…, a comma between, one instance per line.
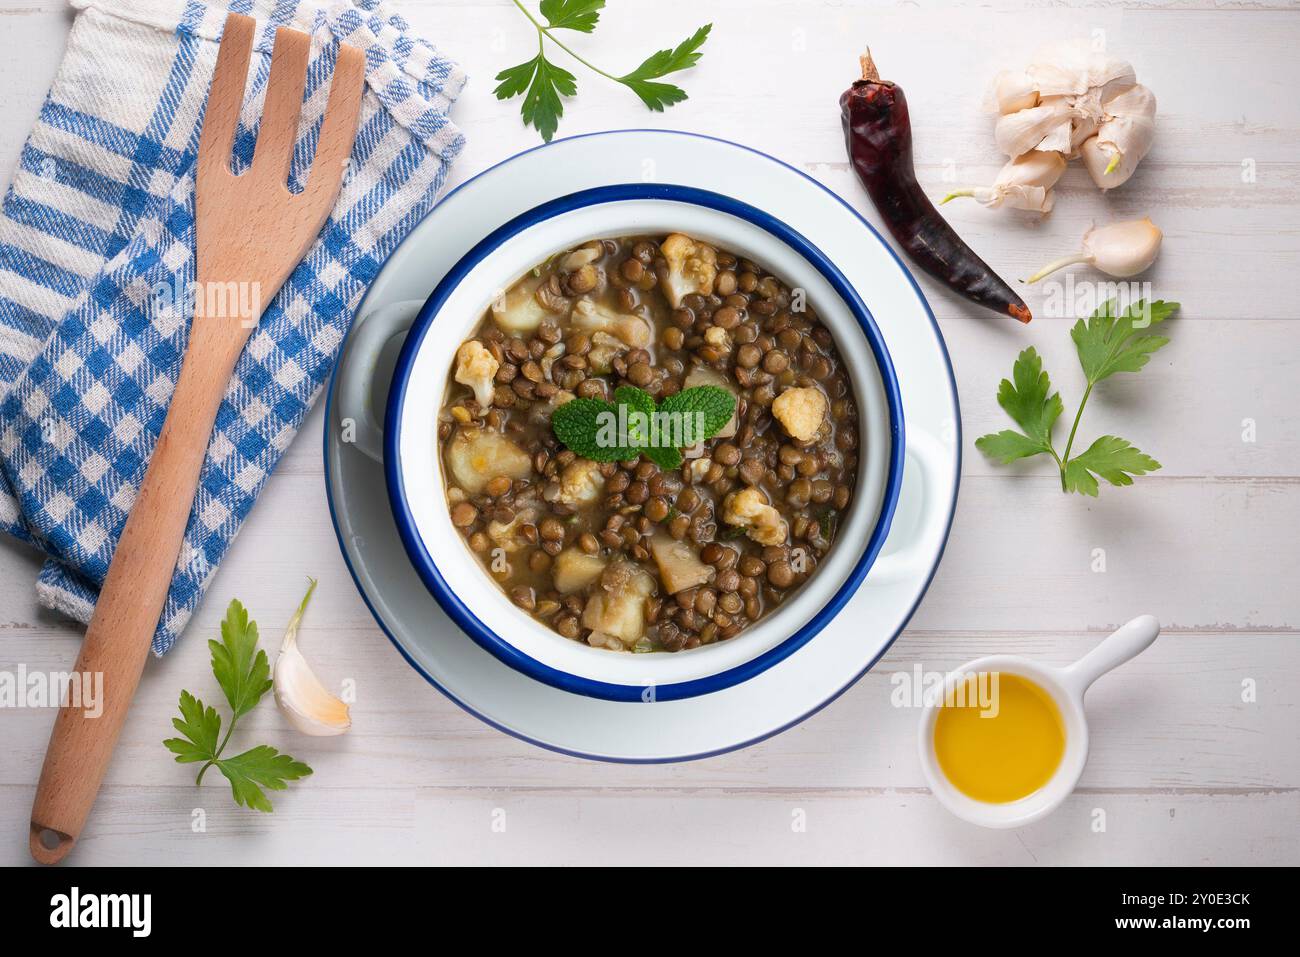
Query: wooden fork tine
x=226, y=95
x=338, y=131
x=279, y=128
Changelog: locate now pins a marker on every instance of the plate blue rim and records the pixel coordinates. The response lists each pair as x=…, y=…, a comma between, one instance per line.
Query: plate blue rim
x=427, y=565
x=697, y=756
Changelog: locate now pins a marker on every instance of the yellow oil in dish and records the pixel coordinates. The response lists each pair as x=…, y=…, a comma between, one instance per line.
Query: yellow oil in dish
x=1005, y=756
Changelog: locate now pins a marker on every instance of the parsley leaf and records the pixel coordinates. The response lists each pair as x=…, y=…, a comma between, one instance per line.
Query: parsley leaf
x=1032, y=405
x=242, y=670
x=241, y=667
x=262, y=767
x=1111, y=458
x=662, y=62
x=580, y=15
x=1107, y=342
x=544, y=85
x=200, y=726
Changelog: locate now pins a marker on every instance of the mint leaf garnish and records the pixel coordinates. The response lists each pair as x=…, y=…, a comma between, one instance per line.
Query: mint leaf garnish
x=632, y=425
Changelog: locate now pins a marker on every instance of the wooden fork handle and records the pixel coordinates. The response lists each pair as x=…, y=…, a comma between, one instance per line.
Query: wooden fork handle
x=130, y=603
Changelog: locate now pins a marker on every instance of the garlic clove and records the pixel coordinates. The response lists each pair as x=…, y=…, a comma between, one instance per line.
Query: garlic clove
x=1123, y=249
x=1020, y=132
x=1014, y=91
x=1123, y=138
x=299, y=693
x=1023, y=183
x=1120, y=250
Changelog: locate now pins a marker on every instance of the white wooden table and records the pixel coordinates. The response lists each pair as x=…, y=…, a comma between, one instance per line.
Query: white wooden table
x=1184, y=769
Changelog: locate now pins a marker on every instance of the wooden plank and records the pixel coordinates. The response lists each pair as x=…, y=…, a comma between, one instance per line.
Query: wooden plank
x=370, y=825
x=1173, y=718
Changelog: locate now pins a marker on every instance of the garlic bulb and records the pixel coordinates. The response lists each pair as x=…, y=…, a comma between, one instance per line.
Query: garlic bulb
x=1120, y=249
x=1080, y=102
x=1024, y=183
x=1123, y=137
x=303, y=699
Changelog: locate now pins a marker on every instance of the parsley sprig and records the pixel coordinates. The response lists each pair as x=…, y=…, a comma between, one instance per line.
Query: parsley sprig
x=1107, y=342
x=589, y=426
x=244, y=673
x=543, y=84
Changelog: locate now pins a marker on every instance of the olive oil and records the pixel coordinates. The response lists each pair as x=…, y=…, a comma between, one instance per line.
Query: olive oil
x=1003, y=750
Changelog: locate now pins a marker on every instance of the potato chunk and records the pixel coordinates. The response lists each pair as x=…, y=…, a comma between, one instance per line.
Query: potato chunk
x=748, y=509
x=679, y=567
x=509, y=535
x=581, y=483
x=476, y=456
x=692, y=267
x=476, y=368
x=618, y=609
x=801, y=412
x=517, y=309
x=574, y=570
x=631, y=330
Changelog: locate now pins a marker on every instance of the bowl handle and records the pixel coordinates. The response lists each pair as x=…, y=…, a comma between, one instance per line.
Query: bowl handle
x=913, y=554
x=357, y=421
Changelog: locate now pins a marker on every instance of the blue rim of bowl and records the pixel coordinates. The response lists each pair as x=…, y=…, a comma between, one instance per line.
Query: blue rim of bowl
x=427, y=567
x=748, y=742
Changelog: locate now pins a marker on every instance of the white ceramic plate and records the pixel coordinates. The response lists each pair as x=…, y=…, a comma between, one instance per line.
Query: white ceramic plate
x=790, y=690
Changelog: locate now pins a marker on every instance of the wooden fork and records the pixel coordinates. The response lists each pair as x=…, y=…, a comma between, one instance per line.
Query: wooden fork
x=250, y=230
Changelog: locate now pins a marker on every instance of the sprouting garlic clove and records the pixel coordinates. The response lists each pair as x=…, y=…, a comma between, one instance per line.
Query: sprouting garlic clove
x=1124, y=249
x=1121, y=250
x=299, y=693
x=1123, y=138
x=1024, y=183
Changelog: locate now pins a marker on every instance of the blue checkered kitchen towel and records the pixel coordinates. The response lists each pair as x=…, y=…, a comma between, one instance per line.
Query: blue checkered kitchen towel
x=100, y=218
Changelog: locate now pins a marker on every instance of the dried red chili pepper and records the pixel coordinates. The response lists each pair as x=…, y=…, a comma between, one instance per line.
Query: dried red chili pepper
x=878, y=134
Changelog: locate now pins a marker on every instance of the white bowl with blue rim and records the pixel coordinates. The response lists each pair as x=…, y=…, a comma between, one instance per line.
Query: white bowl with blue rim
x=407, y=440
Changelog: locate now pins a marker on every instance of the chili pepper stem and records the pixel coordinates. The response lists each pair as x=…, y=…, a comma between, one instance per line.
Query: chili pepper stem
x=956, y=193
x=1058, y=264
x=869, y=71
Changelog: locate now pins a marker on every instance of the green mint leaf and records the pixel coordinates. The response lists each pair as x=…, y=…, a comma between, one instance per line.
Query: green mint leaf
x=1110, y=458
x=662, y=62
x=241, y=667
x=201, y=728
x=589, y=428
x=1028, y=398
x=715, y=403
x=636, y=400
x=575, y=424
x=542, y=83
x=580, y=15
x=262, y=767
x=664, y=456
x=1110, y=342
x=1009, y=445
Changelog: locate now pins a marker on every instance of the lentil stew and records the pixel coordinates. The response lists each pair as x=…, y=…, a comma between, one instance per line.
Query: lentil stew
x=628, y=556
